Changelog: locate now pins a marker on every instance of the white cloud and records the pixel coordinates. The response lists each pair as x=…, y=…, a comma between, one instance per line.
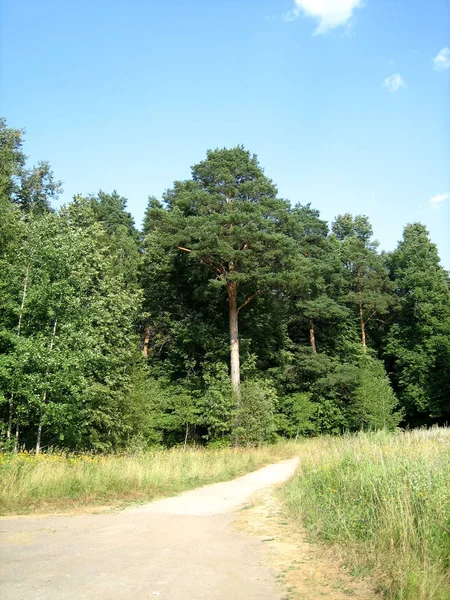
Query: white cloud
x=439, y=199
x=394, y=82
x=329, y=13
x=441, y=61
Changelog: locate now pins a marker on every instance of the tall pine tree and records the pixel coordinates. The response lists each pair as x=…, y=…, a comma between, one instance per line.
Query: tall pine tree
x=418, y=343
x=229, y=219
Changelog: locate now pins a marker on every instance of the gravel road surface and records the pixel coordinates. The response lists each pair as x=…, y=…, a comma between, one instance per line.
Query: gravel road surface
x=179, y=548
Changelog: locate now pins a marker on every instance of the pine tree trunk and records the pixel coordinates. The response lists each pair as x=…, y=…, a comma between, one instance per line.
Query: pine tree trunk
x=361, y=313
x=234, y=338
x=312, y=337
x=363, y=328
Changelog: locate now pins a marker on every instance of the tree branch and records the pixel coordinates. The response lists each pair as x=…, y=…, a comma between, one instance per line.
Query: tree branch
x=205, y=260
x=220, y=269
x=372, y=315
x=249, y=299
x=217, y=266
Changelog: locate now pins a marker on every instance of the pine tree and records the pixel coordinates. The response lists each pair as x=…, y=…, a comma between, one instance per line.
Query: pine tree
x=111, y=211
x=418, y=343
x=228, y=218
x=367, y=278
x=374, y=403
x=317, y=284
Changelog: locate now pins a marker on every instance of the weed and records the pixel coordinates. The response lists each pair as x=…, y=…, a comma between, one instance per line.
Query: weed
x=384, y=499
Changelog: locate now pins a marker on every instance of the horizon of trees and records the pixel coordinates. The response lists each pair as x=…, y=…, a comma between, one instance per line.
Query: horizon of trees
x=232, y=317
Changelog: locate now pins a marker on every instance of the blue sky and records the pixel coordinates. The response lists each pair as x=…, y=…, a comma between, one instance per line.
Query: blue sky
x=346, y=102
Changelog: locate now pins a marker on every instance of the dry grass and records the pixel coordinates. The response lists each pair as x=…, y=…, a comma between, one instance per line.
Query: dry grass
x=55, y=482
x=384, y=501
x=305, y=570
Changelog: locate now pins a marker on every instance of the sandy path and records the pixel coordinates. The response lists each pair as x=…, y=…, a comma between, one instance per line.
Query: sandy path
x=180, y=548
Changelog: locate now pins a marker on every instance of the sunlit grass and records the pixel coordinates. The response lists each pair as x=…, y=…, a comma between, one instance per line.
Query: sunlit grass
x=384, y=500
x=57, y=481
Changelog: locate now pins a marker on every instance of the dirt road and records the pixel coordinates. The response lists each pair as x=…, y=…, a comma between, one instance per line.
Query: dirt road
x=180, y=548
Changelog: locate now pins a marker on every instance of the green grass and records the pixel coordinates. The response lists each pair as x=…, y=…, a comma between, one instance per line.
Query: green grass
x=59, y=482
x=383, y=501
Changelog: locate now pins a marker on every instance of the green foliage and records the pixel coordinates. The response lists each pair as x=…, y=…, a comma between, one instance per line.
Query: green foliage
x=367, y=290
x=255, y=413
x=12, y=158
x=228, y=219
x=374, y=401
x=67, y=333
x=217, y=403
x=222, y=264
x=36, y=190
x=295, y=416
x=418, y=342
x=383, y=500
x=334, y=394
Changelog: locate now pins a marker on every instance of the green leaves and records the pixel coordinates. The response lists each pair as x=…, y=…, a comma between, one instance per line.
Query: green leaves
x=227, y=218
x=367, y=285
x=417, y=345
x=73, y=352
x=225, y=274
x=374, y=403
x=226, y=225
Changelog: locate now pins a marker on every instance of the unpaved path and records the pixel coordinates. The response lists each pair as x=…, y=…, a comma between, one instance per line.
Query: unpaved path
x=180, y=548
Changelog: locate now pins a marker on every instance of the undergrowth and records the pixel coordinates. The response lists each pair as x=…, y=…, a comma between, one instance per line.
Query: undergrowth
x=57, y=481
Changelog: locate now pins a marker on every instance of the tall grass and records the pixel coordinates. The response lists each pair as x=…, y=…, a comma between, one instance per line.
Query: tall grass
x=384, y=499
x=56, y=481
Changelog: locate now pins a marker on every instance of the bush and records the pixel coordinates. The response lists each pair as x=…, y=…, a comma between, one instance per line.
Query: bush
x=255, y=414
x=296, y=415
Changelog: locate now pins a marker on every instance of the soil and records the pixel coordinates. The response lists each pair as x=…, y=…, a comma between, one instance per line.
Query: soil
x=306, y=571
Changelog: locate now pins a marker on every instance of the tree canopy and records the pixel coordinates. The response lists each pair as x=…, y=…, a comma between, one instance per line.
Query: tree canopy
x=233, y=316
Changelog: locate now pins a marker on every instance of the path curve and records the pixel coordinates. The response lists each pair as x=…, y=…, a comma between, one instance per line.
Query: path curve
x=179, y=548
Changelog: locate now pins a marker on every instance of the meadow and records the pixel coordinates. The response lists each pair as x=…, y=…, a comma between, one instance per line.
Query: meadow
x=55, y=481
x=382, y=502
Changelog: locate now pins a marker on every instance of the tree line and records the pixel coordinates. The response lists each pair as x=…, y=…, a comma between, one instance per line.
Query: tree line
x=232, y=317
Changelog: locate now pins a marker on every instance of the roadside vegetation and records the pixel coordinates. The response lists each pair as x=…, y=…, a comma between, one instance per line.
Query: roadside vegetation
x=52, y=482
x=383, y=502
